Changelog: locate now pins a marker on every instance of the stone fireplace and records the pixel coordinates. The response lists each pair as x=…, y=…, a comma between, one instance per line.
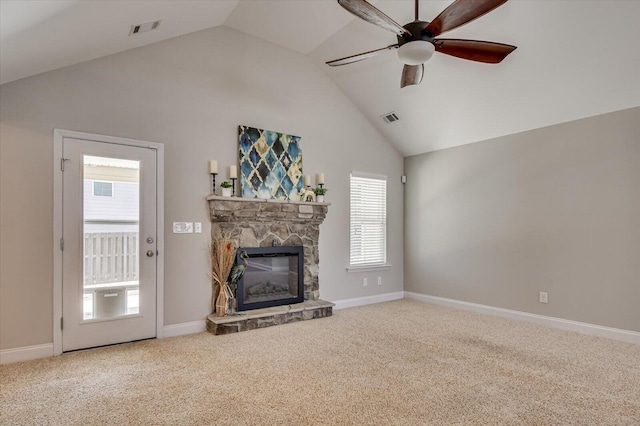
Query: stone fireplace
x=267, y=223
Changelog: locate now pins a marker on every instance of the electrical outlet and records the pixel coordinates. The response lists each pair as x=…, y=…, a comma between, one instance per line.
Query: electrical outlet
x=544, y=297
x=364, y=282
x=379, y=280
x=183, y=227
x=197, y=228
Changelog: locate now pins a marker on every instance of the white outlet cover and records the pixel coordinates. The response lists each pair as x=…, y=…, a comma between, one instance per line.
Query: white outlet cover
x=197, y=227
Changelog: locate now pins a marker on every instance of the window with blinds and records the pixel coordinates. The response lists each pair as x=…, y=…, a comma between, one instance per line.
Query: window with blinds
x=368, y=220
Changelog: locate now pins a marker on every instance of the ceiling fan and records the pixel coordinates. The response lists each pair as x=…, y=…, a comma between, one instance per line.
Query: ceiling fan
x=417, y=40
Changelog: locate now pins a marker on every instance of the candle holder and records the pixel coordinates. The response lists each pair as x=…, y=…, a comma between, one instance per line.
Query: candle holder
x=233, y=187
x=213, y=183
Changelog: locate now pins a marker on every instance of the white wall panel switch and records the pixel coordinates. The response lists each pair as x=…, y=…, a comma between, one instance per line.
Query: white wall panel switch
x=544, y=297
x=183, y=227
x=197, y=227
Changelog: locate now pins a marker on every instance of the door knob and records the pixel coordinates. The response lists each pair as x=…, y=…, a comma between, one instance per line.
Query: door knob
x=149, y=253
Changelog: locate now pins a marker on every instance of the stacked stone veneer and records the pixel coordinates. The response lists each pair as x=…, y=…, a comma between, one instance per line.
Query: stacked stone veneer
x=258, y=223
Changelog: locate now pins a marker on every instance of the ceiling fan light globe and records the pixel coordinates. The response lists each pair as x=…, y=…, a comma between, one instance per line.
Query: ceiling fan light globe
x=416, y=52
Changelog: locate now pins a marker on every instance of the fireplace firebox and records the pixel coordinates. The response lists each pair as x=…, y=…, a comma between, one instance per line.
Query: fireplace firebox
x=274, y=277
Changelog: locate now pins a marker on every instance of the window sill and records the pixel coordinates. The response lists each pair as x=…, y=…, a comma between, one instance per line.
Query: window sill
x=368, y=268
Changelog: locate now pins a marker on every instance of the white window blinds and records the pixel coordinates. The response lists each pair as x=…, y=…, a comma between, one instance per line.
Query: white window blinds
x=368, y=219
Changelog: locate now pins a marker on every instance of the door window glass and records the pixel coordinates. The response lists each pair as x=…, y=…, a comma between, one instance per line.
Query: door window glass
x=111, y=237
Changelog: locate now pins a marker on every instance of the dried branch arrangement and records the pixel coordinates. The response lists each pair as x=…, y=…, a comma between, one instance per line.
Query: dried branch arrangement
x=223, y=255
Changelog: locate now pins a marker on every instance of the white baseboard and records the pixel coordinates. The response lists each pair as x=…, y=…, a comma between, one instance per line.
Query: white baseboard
x=368, y=300
x=26, y=353
x=563, y=324
x=184, y=328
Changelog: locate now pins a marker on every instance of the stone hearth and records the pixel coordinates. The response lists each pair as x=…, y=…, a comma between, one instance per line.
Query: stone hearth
x=267, y=317
x=258, y=223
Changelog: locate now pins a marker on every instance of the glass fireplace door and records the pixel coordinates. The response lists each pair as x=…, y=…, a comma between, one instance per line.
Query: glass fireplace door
x=274, y=277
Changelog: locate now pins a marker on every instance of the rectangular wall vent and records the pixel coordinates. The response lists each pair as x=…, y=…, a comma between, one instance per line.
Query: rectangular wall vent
x=144, y=28
x=390, y=117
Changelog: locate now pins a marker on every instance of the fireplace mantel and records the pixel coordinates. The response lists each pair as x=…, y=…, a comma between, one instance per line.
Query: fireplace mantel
x=227, y=209
x=253, y=222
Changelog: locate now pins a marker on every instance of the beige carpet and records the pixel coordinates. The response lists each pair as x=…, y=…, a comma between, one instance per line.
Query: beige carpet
x=396, y=363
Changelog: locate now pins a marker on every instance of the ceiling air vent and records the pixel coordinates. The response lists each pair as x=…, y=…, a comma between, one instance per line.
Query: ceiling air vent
x=390, y=117
x=144, y=28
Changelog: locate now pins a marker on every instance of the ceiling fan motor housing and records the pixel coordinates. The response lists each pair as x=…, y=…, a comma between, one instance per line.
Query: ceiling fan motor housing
x=416, y=28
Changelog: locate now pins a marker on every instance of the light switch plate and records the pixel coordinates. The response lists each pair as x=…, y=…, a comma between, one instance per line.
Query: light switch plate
x=183, y=227
x=197, y=227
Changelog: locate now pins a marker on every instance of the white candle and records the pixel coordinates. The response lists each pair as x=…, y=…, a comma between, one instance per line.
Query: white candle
x=213, y=167
x=320, y=179
x=233, y=172
x=307, y=180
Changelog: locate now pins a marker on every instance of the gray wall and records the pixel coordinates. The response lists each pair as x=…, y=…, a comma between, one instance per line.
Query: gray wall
x=555, y=209
x=189, y=93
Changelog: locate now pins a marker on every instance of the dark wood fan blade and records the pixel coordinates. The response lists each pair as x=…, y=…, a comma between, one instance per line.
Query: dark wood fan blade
x=369, y=13
x=411, y=74
x=480, y=51
x=459, y=13
x=359, y=57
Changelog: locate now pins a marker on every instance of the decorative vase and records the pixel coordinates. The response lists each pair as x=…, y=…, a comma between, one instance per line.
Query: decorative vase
x=320, y=198
x=226, y=192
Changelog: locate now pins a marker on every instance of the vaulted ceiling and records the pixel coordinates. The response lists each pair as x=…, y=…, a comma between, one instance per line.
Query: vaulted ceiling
x=574, y=59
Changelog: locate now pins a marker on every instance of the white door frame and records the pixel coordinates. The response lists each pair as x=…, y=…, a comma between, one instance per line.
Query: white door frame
x=58, y=136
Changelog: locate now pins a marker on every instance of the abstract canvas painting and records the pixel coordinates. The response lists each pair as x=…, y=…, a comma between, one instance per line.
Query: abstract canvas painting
x=270, y=164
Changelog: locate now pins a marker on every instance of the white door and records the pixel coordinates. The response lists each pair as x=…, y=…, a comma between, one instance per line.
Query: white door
x=108, y=243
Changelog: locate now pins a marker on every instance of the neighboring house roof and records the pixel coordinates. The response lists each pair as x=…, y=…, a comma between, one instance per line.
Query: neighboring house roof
x=110, y=162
